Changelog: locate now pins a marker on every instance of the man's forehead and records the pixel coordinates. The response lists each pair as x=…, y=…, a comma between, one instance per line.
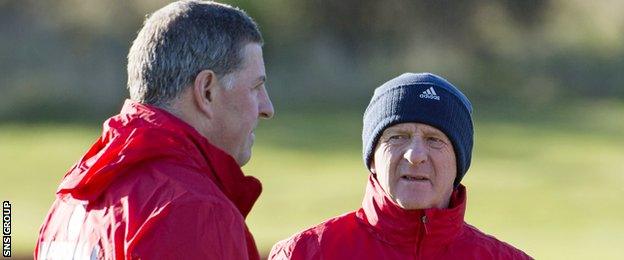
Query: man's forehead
x=412, y=126
x=252, y=68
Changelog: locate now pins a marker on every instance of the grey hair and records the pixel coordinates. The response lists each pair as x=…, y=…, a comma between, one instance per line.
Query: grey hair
x=182, y=39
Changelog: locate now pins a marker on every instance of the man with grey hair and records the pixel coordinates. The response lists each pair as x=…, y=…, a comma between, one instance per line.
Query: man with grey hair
x=164, y=179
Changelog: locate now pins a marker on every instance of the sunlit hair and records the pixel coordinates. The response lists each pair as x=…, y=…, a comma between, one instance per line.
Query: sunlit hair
x=182, y=39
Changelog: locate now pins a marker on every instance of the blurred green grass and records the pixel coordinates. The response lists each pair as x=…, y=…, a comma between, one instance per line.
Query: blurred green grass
x=548, y=181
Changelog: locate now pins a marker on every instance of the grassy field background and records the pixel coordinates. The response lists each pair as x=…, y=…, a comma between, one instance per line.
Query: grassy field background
x=550, y=182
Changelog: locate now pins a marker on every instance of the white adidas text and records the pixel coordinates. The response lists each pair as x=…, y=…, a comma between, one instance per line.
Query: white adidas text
x=430, y=94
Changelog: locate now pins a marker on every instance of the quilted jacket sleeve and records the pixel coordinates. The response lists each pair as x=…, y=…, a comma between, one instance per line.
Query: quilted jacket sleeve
x=304, y=246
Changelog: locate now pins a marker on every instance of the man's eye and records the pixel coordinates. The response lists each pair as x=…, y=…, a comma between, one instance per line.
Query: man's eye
x=435, y=142
x=397, y=137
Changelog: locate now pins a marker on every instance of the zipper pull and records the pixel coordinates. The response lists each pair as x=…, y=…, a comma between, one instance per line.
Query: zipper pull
x=424, y=222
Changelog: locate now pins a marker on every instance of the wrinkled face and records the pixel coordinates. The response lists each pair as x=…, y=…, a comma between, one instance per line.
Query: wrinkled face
x=415, y=164
x=239, y=106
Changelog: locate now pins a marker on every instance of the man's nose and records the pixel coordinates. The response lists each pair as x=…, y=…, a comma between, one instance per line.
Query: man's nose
x=265, y=108
x=416, y=153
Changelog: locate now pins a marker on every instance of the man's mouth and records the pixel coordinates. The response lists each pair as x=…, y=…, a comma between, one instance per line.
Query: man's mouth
x=414, y=178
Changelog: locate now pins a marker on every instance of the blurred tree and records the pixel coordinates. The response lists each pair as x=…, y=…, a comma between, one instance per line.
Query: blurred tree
x=66, y=59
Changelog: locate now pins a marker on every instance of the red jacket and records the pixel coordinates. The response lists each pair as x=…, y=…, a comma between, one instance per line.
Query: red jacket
x=383, y=230
x=151, y=187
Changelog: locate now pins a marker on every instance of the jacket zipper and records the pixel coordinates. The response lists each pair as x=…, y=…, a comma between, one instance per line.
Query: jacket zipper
x=423, y=233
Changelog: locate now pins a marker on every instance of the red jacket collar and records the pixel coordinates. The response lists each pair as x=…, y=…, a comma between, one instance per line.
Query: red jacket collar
x=397, y=225
x=142, y=133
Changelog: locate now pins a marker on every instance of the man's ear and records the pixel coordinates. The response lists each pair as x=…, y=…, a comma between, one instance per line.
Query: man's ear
x=372, y=167
x=203, y=91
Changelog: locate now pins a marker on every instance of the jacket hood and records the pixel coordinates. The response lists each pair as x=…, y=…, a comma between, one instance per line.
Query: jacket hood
x=396, y=225
x=142, y=133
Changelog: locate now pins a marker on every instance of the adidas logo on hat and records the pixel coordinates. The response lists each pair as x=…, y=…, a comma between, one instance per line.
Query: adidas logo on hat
x=430, y=94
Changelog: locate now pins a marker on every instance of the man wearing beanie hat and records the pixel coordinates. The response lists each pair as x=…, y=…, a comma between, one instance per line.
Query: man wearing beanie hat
x=417, y=144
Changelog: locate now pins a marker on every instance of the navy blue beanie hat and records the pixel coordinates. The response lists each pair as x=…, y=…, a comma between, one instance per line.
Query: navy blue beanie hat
x=420, y=98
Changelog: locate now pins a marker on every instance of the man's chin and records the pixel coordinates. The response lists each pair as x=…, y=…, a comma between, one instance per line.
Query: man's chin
x=410, y=204
x=243, y=158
